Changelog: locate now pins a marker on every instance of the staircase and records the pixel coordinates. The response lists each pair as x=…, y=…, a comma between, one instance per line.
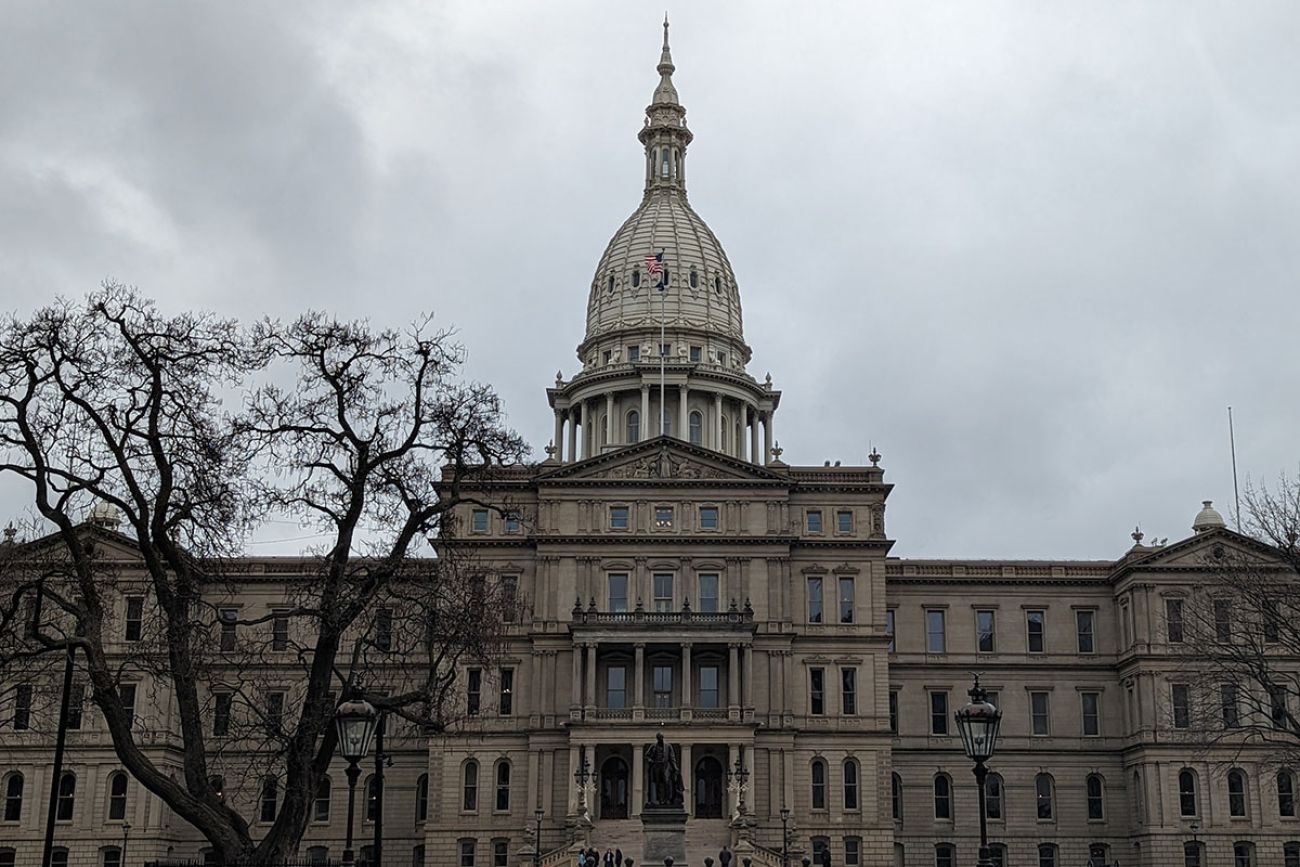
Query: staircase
x=704, y=839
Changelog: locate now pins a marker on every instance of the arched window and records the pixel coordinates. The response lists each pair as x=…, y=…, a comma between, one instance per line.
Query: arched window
x=503, y=786
x=945, y=855
x=725, y=437
x=636, y=278
x=1243, y=854
x=1047, y=855
x=13, y=811
x=1043, y=795
x=1290, y=854
x=8, y=857
x=993, y=797
x=1193, y=854
x=604, y=428
x=422, y=798
x=320, y=809
x=818, y=784
x=1236, y=793
x=633, y=426
x=59, y=857
x=850, y=784
x=67, y=797
x=1186, y=793
x=269, y=800
x=663, y=165
x=372, y=799
x=110, y=856
x=469, y=787
x=1096, y=802
x=417, y=856
x=942, y=797
x=896, y=796
x=717, y=285
x=997, y=855
x=611, y=282
x=695, y=279
x=1139, y=802
x=318, y=855
x=1285, y=794
x=116, y=796
x=697, y=428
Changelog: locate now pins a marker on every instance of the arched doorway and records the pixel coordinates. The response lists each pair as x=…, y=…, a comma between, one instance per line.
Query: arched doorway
x=708, y=788
x=613, y=789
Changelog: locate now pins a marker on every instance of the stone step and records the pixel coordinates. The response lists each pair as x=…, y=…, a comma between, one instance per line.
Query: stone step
x=704, y=838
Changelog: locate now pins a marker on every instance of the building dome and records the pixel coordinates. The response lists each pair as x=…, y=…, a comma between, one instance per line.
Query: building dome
x=1207, y=518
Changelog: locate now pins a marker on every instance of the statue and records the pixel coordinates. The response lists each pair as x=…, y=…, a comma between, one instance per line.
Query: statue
x=665, y=776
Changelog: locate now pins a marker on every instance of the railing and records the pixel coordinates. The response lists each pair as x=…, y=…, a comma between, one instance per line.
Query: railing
x=733, y=617
x=613, y=713
x=709, y=713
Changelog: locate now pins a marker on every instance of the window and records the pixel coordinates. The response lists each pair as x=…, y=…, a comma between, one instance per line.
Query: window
x=469, y=787
x=126, y=695
x=663, y=591
x=22, y=719
x=1174, y=620
x=985, y=631
x=1034, y=621
x=1277, y=706
x=384, y=629
x=76, y=703
x=512, y=522
x=893, y=711
x=817, y=691
x=695, y=350
x=695, y=429
x=366, y=857
x=503, y=787
x=663, y=517
x=844, y=521
x=889, y=627
x=815, y=600
x=1047, y=855
x=320, y=805
x=8, y=858
x=938, y=713
x=59, y=857
x=634, y=354
x=708, y=686
x=665, y=349
x=846, y=600
x=848, y=691
x=1228, y=704
x=111, y=857
x=1039, y=718
x=633, y=425
x=934, y=631
x=616, y=687
x=67, y=798
x=1192, y=855
x=1243, y=854
x=942, y=797
x=506, y=701
x=13, y=810
x=1089, y=707
x=1186, y=793
x=818, y=784
x=134, y=626
x=708, y=517
x=1236, y=794
x=269, y=799
x=417, y=855
x=1272, y=631
x=814, y=521
x=850, y=784
x=997, y=855
x=618, y=517
x=1290, y=855
x=1222, y=621
x=422, y=798
x=945, y=855
x=509, y=600
x=274, y=712
x=896, y=796
x=617, y=592
x=1181, y=699
x=467, y=846
x=116, y=797
x=1096, y=805
x=218, y=784
x=853, y=852
x=474, y=690
x=663, y=686
x=993, y=797
x=708, y=583
x=1285, y=794
x=1043, y=796
x=229, y=618
x=372, y=800
x=1085, y=630
x=500, y=853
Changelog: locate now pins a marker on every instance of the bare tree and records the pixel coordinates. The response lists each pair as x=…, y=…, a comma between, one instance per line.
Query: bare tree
x=111, y=408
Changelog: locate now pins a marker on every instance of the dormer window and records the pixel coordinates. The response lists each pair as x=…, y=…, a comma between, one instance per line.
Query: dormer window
x=663, y=166
x=717, y=285
x=695, y=279
x=611, y=282
x=636, y=278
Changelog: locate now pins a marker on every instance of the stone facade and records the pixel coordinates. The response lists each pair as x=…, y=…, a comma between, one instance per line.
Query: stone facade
x=689, y=582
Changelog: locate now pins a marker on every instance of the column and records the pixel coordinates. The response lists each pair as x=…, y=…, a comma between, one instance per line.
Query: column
x=575, y=701
x=683, y=413
x=767, y=435
x=688, y=778
x=588, y=429
x=573, y=434
x=787, y=781
x=611, y=429
x=646, y=430
x=591, y=680
x=571, y=784
x=686, y=682
x=534, y=778
x=733, y=681
x=717, y=422
x=558, y=442
x=787, y=670
x=748, y=683
x=638, y=780
x=638, y=691
x=754, y=456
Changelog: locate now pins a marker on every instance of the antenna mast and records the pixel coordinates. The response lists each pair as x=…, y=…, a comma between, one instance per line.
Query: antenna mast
x=1232, y=443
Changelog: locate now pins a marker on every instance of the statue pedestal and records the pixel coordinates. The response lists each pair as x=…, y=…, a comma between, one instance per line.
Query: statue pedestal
x=664, y=830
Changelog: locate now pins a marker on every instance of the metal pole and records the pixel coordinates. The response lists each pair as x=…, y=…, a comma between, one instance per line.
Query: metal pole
x=380, y=759
x=126, y=834
x=59, y=743
x=353, y=773
x=537, y=842
x=981, y=775
x=663, y=316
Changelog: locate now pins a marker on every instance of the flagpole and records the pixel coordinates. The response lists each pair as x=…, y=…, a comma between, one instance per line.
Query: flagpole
x=663, y=317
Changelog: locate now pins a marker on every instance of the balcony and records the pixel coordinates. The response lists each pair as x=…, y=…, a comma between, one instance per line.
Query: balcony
x=734, y=618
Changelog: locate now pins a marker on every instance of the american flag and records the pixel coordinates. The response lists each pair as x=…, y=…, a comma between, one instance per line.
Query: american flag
x=654, y=263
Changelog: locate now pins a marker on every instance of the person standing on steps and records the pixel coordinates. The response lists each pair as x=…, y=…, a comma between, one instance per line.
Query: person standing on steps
x=609, y=858
x=724, y=857
x=618, y=858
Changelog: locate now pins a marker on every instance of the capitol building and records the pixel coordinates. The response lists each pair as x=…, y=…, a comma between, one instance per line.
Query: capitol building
x=677, y=577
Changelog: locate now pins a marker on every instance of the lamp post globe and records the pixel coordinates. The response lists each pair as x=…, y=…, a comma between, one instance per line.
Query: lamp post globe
x=355, y=720
x=978, y=722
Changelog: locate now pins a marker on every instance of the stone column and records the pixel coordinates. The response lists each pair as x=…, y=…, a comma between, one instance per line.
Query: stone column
x=787, y=779
x=717, y=422
x=533, y=778
x=591, y=680
x=588, y=430
x=684, y=413
x=748, y=683
x=558, y=442
x=687, y=703
x=646, y=431
x=612, y=433
x=753, y=440
x=575, y=701
x=688, y=778
x=638, y=690
x=767, y=435
x=638, y=780
x=573, y=434
x=733, y=681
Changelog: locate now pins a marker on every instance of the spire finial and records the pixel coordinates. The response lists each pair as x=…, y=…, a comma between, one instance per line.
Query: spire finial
x=665, y=30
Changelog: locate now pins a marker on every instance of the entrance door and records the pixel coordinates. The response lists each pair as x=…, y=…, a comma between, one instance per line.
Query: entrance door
x=708, y=788
x=613, y=789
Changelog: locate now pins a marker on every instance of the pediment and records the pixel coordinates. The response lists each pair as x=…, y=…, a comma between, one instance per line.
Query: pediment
x=109, y=545
x=666, y=460
x=1195, y=551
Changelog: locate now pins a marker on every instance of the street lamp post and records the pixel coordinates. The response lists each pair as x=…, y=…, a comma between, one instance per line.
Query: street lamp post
x=126, y=836
x=537, y=840
x=740, y=774
x=355, y=720
x=978, y=723
x=581, y=776
x=785, y=837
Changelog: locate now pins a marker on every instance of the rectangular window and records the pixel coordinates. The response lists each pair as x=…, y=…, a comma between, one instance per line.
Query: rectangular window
x=222, y=703
x=76, y=703
x=384, y=629
x=22, y=707
x=618, y=592
x=618, y=517
x=846, y=600
x=274, y=712
x=665, y=349
x=609, y=356
x=1174, y=620
x=474, y=690
x=844, y=521
x=815, y=600
x=229, y=638
x=985, y=631
x=695, y=355
x=1272, y=630
x=663, y=686
x=848, y=691
x=663, y=517
x=616, y=687
x=889, y=627
x=1038, y=713
x=708, y=517
x=1085, y=625
x=512, y=522
x=708, y=686
x=817, y=691
x=938, y=713
x=1181, y=699
x=1228, y=703
x=814, y=521
x=467, y=853
x=893, y=711
x=708, y=593
x=509, y=598
x=1222, y=621
x=1090, y=706
x=663, y=591
x=852, y=852
x=634, y=353
x=506, y=703
x=1277, y=707
x=126, y=695
x=1034, y=623
x=479, y=520
x=935, y=641
x=134, y=618
x=280, y=631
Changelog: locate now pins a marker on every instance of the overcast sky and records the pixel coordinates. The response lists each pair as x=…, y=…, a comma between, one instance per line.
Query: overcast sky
x=1031, y=251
